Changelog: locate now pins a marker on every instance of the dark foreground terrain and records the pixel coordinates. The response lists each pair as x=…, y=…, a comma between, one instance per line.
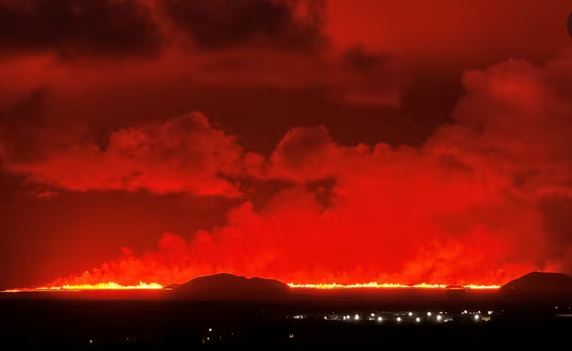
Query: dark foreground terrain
x=162, y=320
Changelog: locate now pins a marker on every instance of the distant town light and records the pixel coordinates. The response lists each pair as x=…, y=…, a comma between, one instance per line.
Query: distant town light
x=477, y=317
x=380, y=319
x=410, y=314
x=398, y=319
x=418, y=320
x=429, y=314
x=439, y=318
x=356, y=317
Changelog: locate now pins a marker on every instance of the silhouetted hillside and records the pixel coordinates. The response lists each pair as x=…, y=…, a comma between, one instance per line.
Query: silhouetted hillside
x=540, y=286
x=231, y=287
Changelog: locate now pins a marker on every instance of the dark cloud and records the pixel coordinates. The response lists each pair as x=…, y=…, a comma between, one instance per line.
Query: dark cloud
x=22, y=123
x=217, y=24
x=358, y=58
x=372, y=78
x=27, y=111
x=74, y=27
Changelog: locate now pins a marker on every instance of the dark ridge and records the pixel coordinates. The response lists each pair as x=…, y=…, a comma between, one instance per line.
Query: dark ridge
x=540, y=286
x=229, y=287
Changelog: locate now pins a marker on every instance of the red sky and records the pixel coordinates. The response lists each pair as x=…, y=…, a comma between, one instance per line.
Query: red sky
x=301, y=140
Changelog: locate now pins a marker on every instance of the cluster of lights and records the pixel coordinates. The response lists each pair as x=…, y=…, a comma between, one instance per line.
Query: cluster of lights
x=477, y=315
x=412, y=317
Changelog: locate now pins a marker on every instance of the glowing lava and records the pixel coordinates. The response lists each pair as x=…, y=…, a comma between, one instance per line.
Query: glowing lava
x=320, y=286
x=375, y=285
x=98, y=286
x=485, y=287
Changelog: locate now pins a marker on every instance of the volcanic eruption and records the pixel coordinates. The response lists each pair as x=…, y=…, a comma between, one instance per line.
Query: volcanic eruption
x=481, y=196
x=467, y=207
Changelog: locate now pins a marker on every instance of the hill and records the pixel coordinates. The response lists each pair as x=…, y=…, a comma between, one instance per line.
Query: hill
x=229, y=287
x=540, y=286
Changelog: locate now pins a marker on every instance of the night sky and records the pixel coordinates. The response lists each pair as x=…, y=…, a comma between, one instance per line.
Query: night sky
x=307, y=141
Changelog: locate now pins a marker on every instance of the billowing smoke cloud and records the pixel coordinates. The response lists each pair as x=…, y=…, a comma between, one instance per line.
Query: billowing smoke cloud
x=485, y=199
x=181, y=155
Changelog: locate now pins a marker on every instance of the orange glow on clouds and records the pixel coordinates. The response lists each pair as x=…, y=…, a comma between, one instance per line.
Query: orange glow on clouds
x=469, y=208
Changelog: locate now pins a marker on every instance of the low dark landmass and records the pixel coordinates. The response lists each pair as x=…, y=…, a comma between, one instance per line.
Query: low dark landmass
x=229, y=287
x=539, y=285
x=225, y=311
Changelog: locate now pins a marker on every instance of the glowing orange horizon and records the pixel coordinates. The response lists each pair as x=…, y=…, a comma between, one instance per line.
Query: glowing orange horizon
x=91, y=287
x=478, y=286
x=376, y=285
x=319, y=286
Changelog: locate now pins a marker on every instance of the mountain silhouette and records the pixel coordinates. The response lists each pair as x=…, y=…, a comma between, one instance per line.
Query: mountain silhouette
x=229, y=287
x=540, y=286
